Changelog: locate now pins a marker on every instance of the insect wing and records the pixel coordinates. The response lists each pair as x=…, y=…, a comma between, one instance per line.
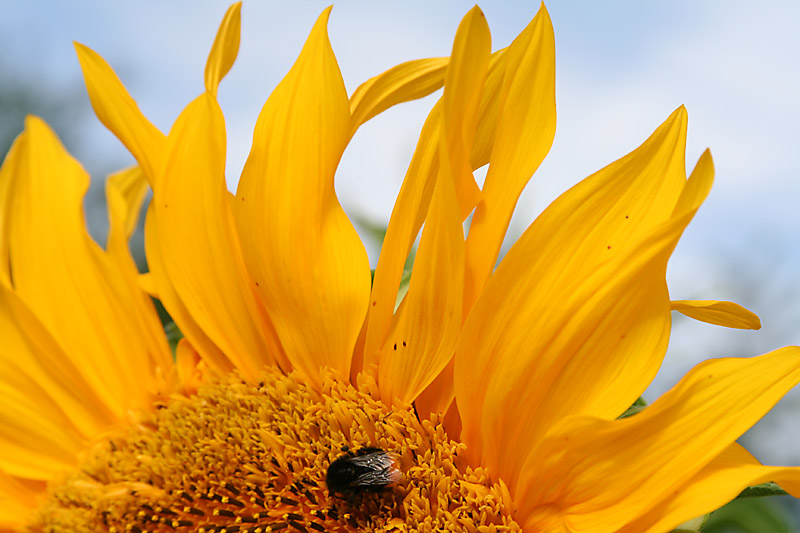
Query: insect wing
x=376, y=469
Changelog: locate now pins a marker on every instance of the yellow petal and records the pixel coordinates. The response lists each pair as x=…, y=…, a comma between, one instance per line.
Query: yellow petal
x=403, y=83
x=189, y=366
x=162, y=286
x=439, y=395
x=603, y=473
x=408, y=214
x=29, y=349
x=147, y=284
x=118, y=111
x=728, y=314
x=464, y=84
x=9, y=169
x=18, y=501
x=199, y=247
x=422, y=342
x=412, y=204
x=711, y=488
x=125, y=193
x=526, y=125
x=37, y=438
x=578, y=307
x=225, y=48
x=305, y=257
x=489, y=109
x=71, y=285
x=438, y=398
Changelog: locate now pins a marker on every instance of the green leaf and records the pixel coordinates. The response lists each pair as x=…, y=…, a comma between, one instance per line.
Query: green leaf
x=751, y=515
x=405, y=281
x=173, y=335
x=692, y=526
x=637, y=406
x=765, y=489
x=373, y=230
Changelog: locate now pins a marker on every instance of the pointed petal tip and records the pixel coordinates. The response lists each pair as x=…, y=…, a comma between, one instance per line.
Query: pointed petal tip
x=36, y=124
x=719, y=313
x=236, y=9
x=82, y=50
x=476, y=10
x=705, y=163
x=544, y=12
x=321, y=24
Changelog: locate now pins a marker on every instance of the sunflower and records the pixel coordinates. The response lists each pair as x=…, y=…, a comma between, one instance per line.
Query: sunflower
x=490, y=398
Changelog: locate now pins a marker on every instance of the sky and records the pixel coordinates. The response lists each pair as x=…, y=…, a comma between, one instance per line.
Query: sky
x=622, y=67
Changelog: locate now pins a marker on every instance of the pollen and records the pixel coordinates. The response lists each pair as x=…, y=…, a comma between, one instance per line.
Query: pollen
x=240, y=457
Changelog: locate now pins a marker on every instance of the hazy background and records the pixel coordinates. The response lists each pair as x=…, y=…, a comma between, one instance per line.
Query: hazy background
x=622, y=67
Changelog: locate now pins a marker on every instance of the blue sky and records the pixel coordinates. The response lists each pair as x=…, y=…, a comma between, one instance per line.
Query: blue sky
x=622, y=67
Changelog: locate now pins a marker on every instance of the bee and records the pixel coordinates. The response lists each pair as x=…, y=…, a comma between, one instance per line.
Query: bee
x=363, y=470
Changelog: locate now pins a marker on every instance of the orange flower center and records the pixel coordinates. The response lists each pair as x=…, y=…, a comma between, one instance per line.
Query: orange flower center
x=253, y=458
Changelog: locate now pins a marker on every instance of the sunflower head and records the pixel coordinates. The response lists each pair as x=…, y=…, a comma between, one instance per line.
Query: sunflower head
x=307, y=394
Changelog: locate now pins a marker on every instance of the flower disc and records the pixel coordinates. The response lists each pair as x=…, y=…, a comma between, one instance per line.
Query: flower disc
x=253, y=458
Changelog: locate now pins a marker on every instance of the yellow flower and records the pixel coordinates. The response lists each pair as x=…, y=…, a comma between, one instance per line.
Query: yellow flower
x=496, y=391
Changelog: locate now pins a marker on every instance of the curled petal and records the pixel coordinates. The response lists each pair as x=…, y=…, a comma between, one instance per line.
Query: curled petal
x=306, y=260
x=119, y=112
x=424, y=337
x=412, y=204
x=20, y=497
x=199, y=246
x=603, y=473
x=97, y=318
x=225, y=48
x=727, y=314
x=526, y=125
x=711, y=488
x=403, y=83
x=582, y=289
x=158, y=282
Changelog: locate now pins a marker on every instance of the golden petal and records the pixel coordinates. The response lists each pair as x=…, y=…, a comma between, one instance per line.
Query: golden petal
x=8, y=171
x=20, y=498
x=225, y=48
x=582, y=288
x=603, y=473
x=526, y=125
x=161, y=285
x=94, y=318
x=198, y=241
x=118, y=111
x=30, y=350
x=715, y=485
x=308, y=264
x=426, y=330
x=412, y=204
x=720, y=313
x=402, y=83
